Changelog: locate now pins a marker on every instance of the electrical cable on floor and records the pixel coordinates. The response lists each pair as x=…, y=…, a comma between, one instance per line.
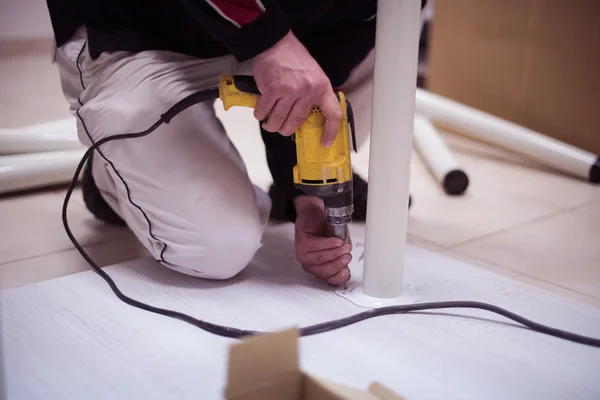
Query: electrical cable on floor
x=212, y=94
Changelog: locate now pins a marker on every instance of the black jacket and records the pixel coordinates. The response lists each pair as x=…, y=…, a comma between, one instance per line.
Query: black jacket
x=338, y=33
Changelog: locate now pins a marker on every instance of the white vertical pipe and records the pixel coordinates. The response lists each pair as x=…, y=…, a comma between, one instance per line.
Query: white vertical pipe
x=394, y=85
x=508, y=135
x=438, y=157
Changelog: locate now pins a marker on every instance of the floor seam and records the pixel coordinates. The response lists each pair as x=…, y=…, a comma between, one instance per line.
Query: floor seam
x=503, y=230
x=418, y=240
x=94, y=244
x=586, y=213
x=519, y=272
x=587, y=203
x=537, y=200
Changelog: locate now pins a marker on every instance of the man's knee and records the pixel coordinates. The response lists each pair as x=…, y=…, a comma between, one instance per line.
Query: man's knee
x=220, y=252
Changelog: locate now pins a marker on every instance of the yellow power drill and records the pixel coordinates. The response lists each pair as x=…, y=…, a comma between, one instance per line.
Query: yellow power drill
x=319, y=171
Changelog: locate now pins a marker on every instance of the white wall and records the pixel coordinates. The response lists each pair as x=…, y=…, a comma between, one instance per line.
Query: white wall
x=24, y=19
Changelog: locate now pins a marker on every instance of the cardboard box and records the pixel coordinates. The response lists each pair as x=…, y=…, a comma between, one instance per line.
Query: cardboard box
x=266, y=367
x=532, y=62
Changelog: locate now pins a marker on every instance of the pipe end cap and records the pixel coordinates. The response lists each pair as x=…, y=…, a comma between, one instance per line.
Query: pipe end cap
x=455, y=182
x=595, y=172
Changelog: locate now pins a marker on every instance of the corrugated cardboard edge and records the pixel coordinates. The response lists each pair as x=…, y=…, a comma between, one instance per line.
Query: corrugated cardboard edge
x=262, y=361
x=322, y=389
x=267, y=366
x=383, y=393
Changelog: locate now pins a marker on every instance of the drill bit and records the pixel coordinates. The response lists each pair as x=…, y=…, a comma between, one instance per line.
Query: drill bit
x=341, y=231
x=338, y=219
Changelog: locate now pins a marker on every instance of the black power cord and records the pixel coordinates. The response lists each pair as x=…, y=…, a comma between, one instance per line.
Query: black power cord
x=212, y=94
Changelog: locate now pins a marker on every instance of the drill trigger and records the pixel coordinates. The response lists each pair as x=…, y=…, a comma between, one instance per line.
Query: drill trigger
x=351, y=124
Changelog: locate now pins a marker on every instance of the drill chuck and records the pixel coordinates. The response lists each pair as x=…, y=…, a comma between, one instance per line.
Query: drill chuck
x=338, y=199
x=339, y=218
x=339, y=207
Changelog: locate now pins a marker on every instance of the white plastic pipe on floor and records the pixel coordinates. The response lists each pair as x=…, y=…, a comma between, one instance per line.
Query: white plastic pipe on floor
x=437, y=156
x=394, y=85
x=36, y=170
x=508, y=135
x=51, y=136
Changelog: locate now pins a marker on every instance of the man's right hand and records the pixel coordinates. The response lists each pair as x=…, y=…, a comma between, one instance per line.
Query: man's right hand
x=291, y=82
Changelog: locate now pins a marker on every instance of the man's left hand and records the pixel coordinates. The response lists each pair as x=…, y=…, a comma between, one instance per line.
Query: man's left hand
x=320, y=255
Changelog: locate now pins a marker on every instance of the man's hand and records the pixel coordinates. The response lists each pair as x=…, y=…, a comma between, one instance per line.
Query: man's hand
x=325, y=257
x=291, y=82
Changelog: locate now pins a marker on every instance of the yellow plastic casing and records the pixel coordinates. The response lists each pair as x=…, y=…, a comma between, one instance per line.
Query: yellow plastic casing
x=231, y=96
x=316, y=165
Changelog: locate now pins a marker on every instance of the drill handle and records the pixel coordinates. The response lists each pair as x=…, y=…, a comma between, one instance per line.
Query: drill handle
x=238, y=91
x=241, y=91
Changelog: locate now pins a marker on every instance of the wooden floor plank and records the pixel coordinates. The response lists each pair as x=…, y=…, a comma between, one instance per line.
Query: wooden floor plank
x=71, y=338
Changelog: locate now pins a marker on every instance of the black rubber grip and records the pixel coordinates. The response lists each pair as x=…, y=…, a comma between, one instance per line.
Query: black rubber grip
x=246, y=84
x=351, y=124
x=455, y=182
x=595, y=172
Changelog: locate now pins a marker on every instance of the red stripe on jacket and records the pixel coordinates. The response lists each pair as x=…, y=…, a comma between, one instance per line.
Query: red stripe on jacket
x=239, y=11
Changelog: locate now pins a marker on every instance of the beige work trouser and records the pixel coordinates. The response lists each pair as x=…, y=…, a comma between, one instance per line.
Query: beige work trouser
x=184, y=189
